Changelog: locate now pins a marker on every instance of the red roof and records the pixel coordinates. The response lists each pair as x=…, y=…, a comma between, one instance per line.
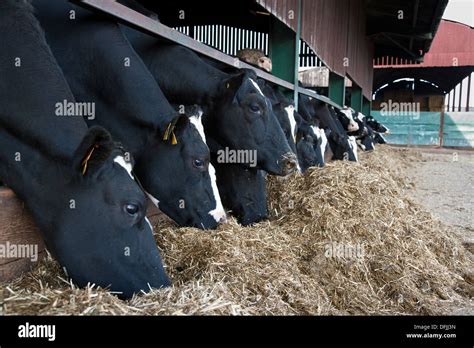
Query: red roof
x=453, y=45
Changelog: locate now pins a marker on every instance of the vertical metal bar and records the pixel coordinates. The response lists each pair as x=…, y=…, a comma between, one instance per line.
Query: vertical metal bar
x=441, y=128
x=468, y=92
x=454, y=99
x=460, y=96
x=366, y=106
x=356, y=98
x=297, y=57
x=449, y=101
x=337, y=88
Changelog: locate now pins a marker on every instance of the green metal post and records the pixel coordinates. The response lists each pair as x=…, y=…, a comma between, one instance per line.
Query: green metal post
x=356, y=98
x=282, y=50
x=366, y=105
x=336, y=88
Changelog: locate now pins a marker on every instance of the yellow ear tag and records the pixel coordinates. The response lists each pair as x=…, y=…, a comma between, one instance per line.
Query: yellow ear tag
x=173, y=139
x=167, y=133
x=228, y=85
x=86, y=160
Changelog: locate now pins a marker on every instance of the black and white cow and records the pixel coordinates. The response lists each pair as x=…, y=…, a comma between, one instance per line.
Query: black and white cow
x=103, y=68
x=243, y=192
x=376, y=125
x=341, y=146
x=311, y=144
x=345, y=117
x=76, y=182
x=364, y=135
x=305, y=139
x=236, y=113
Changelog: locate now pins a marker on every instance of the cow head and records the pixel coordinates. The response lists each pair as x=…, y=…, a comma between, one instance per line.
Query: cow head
x=243, y=192
x=319, y=145
x=305, y=150
x=103, y=237
x=177, y=175
x=345, y=117
x=244, y=120
x=376, y=125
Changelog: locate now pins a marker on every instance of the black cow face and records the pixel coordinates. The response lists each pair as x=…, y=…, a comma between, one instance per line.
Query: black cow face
x=320, y=144
x=376, y=125
x=379, y=139
x=104, y=237
x=186, y=190
x=286, y=119
x=366, y=142
x=306, y=155
x=243, y=192
x=246, y=121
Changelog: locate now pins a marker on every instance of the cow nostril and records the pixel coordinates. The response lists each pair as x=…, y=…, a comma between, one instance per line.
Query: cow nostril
x=290, y=164
x=223, y=220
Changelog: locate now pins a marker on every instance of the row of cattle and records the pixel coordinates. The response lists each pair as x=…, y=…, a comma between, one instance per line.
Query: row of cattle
x=162, y=117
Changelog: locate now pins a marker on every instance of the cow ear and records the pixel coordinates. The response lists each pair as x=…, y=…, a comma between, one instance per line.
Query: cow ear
x=177, y=124
x=96, y=147
x=234, y=82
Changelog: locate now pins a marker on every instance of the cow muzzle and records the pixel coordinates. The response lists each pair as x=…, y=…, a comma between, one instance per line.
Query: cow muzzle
x=289, y=163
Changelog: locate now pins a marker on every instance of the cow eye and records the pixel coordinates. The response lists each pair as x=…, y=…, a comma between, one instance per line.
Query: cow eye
x=132, y=208
x=198, y=163
x=255, y=108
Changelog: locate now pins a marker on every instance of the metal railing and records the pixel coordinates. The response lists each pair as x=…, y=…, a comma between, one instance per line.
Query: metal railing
x=148, y=25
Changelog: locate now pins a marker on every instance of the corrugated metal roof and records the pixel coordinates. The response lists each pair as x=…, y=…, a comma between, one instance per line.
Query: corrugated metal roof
x=335, y=30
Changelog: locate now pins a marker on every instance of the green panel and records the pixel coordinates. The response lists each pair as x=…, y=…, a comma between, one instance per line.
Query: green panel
x=282, y=41
x=356, y=98
x=411, y=128
x=366, y=106
x=458, y=129
x=336, y=88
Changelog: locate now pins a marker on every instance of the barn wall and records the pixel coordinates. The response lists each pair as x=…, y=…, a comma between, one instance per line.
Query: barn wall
x=335, y=30
x=411, y=129
x=423, y=128
x=459, y=129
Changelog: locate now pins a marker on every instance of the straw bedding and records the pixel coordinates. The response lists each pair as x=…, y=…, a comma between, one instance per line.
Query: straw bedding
x=388, y=256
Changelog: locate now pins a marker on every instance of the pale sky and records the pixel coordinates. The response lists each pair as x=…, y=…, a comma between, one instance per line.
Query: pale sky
x=460, y=11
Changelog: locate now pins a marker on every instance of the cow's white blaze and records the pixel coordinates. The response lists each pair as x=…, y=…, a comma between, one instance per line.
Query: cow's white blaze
x=196, y=121
x=290, y=112
x=120, y=160
x=324, y=140
x=218, y=213
x=257, y=87
x=353, y=145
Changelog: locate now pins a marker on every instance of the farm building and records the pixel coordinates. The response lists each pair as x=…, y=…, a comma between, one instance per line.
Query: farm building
x=315, y=223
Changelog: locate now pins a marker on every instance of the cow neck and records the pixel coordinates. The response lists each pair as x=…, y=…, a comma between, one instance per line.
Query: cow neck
x=36, y=84
x=34, y=176
x=127, y=98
